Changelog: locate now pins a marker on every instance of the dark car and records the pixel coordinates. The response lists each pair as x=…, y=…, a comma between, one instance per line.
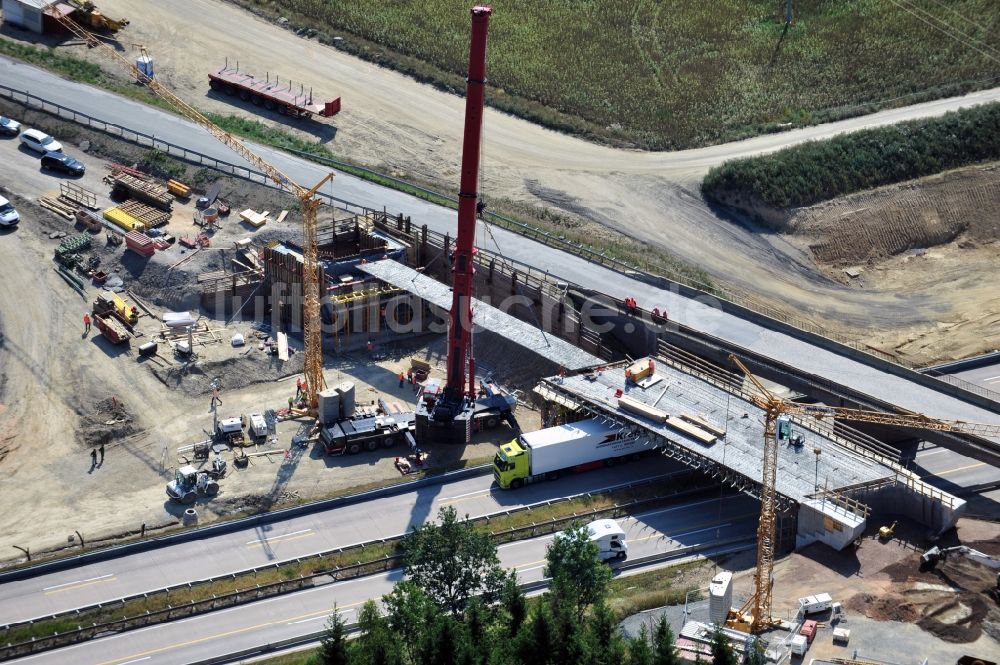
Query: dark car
x=9, y=127
x=60, y=161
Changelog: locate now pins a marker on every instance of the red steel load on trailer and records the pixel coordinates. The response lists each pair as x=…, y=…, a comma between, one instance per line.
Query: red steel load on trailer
x=270, y=92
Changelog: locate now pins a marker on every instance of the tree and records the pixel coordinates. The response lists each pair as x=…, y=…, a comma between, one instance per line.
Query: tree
x=722, y=651
x=536, y=638
x=664, y=649
x=755, y=652
x=639, y=650
x=579, y=577
x=515, y=603
x=376, y=645
x=452, y=562
x=606, y=647
x=409, y=615
x=333, y=646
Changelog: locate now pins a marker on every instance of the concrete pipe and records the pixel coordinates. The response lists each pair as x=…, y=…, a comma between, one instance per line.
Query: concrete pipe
x=190, y=517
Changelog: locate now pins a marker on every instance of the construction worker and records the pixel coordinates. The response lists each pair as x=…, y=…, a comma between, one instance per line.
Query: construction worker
x=402, y=379
x=101, y=449
x=291, y=400
x=298, y=388
x=93, y=459
x=215, y=398
x=371, y=347
x=86, y=323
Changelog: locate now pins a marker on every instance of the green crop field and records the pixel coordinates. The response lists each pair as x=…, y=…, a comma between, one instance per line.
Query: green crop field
x=659, y=74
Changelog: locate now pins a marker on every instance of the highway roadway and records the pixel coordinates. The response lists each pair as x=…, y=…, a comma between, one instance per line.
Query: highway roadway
x=701, y=314
x=696, y=522
x=291, y=538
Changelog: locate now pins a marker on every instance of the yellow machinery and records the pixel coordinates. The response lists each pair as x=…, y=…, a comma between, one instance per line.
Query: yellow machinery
x=307, y=201
x=89, y=16
x=755, y=615
x=886, y=532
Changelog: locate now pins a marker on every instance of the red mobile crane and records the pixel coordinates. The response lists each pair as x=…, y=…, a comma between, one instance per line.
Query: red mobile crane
x=452, y=414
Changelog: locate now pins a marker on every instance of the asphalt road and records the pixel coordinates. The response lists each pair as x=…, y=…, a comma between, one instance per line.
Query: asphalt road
x=292, y=538
x=697, y=522
x=988, y=376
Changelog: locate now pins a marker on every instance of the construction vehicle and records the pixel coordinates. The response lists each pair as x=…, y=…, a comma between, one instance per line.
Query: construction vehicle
x=755, y=615
x=548, y=453
x=935, y=555
x=887, y=532
x=111, y=328
x=308, y=205
x=189, y=482
x=108, y=301
x=91, y=18
x=449, y=416
x=367, y=432
x=270, y=93
x=491, y=406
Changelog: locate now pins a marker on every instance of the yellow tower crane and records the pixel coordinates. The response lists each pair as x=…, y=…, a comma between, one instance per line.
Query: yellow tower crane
x=312, y=331
x=759, y=604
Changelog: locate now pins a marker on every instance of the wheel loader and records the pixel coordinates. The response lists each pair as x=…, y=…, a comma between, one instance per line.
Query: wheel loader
x=190, y=482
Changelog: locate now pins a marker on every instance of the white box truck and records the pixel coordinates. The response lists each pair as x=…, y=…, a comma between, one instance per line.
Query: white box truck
x=609, y=538
x=817, y=603
x=549, y=452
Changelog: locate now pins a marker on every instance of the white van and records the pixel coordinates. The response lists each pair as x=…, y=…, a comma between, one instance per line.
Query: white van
x=610, y=539
x=40, y=141
x=8, y=216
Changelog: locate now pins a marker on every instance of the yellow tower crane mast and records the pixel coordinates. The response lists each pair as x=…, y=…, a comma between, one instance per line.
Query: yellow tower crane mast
x=312, y=332
x=759, y=604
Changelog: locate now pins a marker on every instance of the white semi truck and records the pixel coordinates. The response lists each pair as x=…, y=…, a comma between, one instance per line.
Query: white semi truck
x=550, y=452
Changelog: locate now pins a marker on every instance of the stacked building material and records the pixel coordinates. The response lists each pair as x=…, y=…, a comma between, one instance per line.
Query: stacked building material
x=135, y=185
x=149, y=216
x=140, y=243
x=123, y=220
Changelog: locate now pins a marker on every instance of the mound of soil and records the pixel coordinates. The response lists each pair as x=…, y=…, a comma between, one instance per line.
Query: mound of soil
x=958, y=619
x=232, y=373
x=105, y=421
x=883, y=608
x=873, y=225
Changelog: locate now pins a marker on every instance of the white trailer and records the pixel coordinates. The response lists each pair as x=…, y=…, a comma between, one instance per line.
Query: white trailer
x=577, y=446
x=818, y=603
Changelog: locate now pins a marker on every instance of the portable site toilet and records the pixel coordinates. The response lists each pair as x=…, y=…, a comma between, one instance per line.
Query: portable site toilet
x=144, y=64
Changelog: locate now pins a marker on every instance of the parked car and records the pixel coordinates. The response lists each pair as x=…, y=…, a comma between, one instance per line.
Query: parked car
x=60, y=161
x=8, y=216
x=40, y=141
x=9, y=127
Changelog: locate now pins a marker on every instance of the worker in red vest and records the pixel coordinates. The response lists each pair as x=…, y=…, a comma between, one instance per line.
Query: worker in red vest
x=86, y=323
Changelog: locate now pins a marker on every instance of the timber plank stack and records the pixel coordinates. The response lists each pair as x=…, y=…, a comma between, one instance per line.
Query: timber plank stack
x=139, y=186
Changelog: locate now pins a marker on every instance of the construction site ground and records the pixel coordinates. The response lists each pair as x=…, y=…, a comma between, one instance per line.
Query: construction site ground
x=63, y=392
x=411, y=130
x=896, y=614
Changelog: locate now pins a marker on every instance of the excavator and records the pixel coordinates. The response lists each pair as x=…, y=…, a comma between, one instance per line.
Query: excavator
x=89, y=16
x=935, y=555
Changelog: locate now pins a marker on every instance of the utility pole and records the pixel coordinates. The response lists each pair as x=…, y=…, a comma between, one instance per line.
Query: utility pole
x=817, y=451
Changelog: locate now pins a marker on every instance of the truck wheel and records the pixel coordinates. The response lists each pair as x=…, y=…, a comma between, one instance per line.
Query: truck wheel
x=212, y=488
x=282, y=109
x=371, y=445
x=213, y=84
x=269, y=104
x=622, y=555
x=257, y=100
x=552, y=475
x=245, y=95
x=611, y=461
x=354, y=448
x=516, y=483
x=229, y=90
x=389, y=442
x=492, y=422
x=189, y=498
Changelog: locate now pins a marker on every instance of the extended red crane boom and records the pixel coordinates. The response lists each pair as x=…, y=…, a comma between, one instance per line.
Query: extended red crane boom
x=463, y=271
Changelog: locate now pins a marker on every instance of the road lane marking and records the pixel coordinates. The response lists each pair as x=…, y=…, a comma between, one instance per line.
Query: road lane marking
x=992, y=378
x=686, y=505
x=292, y=623
x=147, y=654
x=137, y=660
x=957, y=468
x=260, y=542
x=459, y=496
x=69, y=586
x=935, y=451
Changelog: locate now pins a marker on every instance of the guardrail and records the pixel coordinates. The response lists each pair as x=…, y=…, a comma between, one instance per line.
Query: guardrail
x=718, y=548
x=738, y=298
x=316, y=578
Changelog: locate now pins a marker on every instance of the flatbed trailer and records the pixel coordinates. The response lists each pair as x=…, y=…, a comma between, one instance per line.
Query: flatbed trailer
x=352, y=435
x=270, y=93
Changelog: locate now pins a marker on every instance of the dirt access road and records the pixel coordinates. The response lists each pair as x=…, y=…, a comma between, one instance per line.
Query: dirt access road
x=398, y=125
